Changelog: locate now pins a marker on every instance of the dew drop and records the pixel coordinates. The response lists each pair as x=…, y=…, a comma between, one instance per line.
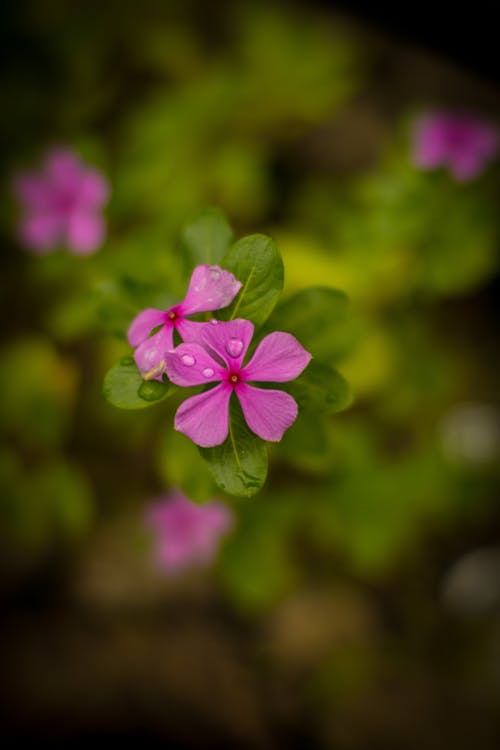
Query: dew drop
x=234, y=347
x=214, y=322
x=188, y=360
x=208, y=372
x=214, y=274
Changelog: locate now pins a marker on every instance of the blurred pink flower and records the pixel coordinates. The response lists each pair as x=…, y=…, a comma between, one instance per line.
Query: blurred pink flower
x=210, y=288
x=185, y=533
x=61, y=204
x=463, y=143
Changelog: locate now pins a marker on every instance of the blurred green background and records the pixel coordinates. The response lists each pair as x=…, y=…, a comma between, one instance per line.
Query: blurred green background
x=357, y=603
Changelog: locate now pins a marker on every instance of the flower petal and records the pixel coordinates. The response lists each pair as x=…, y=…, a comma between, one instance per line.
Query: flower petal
x=143, y=324
x=64, y=169
x=205, y=418
x=189, y=330
x=429, y=147
x=86, y=232
x=151, y=354
x=228, y=339
x=210, y=288
x=278, y=358
x=186, y=533
x=93, y=190
x=191, y=364
x=33, y=191
x=217, y=517
x=42, y=232
x=267, y=413
x=466, y=166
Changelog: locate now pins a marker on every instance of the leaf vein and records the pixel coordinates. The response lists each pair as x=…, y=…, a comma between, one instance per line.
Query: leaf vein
x=242, y=293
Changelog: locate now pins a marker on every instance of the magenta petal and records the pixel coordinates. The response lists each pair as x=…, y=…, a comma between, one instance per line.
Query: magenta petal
x=143, y=324
x=430, y=147
x=279, y=357
x=151, y=354
x=85, y=233
x=210, y=288
x=186, y=533
x=173, y=555
x=190, y=330
x=217, y=517
x=228, y=340
x=191, y=364
x=93, y=189
x=267, y=413
x=64, y=169
x=466, y=166
x=464, y=143
x=33, y=192
x=42, y=232
x=205, y=418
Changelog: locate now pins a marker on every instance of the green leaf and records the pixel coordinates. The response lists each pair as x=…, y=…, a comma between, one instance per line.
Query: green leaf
x=257, y=565
x=320, y=388
x=256, y=262
x=306, y=445
x=125, y=388
x=207, y=237
x=180, y=465
x=239, y=465
x=321, y=320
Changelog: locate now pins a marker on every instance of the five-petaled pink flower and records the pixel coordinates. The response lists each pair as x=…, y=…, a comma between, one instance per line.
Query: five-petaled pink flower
x=186, y=533
x=61, y=205
x=219, y=358
x=463, y=143
x=210, y=288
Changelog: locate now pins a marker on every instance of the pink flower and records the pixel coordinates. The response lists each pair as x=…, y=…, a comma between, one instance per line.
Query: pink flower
x=210, y=288
x=186, y=533
x=463, y=143
x=61, y=204
x=205, y=418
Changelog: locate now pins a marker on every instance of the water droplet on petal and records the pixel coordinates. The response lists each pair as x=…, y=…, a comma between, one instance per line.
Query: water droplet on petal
x=234, y=347
x=214, y=322
x=214, y=274
x=208, y=372
x=188, y=360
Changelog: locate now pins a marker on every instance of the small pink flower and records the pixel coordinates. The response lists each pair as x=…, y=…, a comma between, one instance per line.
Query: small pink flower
x=210, y=288
x=463, y=143
x=205, y=418
x=61, y=205
x=186, y=533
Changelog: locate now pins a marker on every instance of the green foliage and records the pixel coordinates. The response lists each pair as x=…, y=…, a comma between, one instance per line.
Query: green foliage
x=376, y=511
x=320, y=318
x=125, y=387
x=256, y=262
x=206, y=239
x=180, y=465
x=37, y=391
x=320, y=389
x=256, y=567
x=239, y=465
x=47, y=503
x=306, y=445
